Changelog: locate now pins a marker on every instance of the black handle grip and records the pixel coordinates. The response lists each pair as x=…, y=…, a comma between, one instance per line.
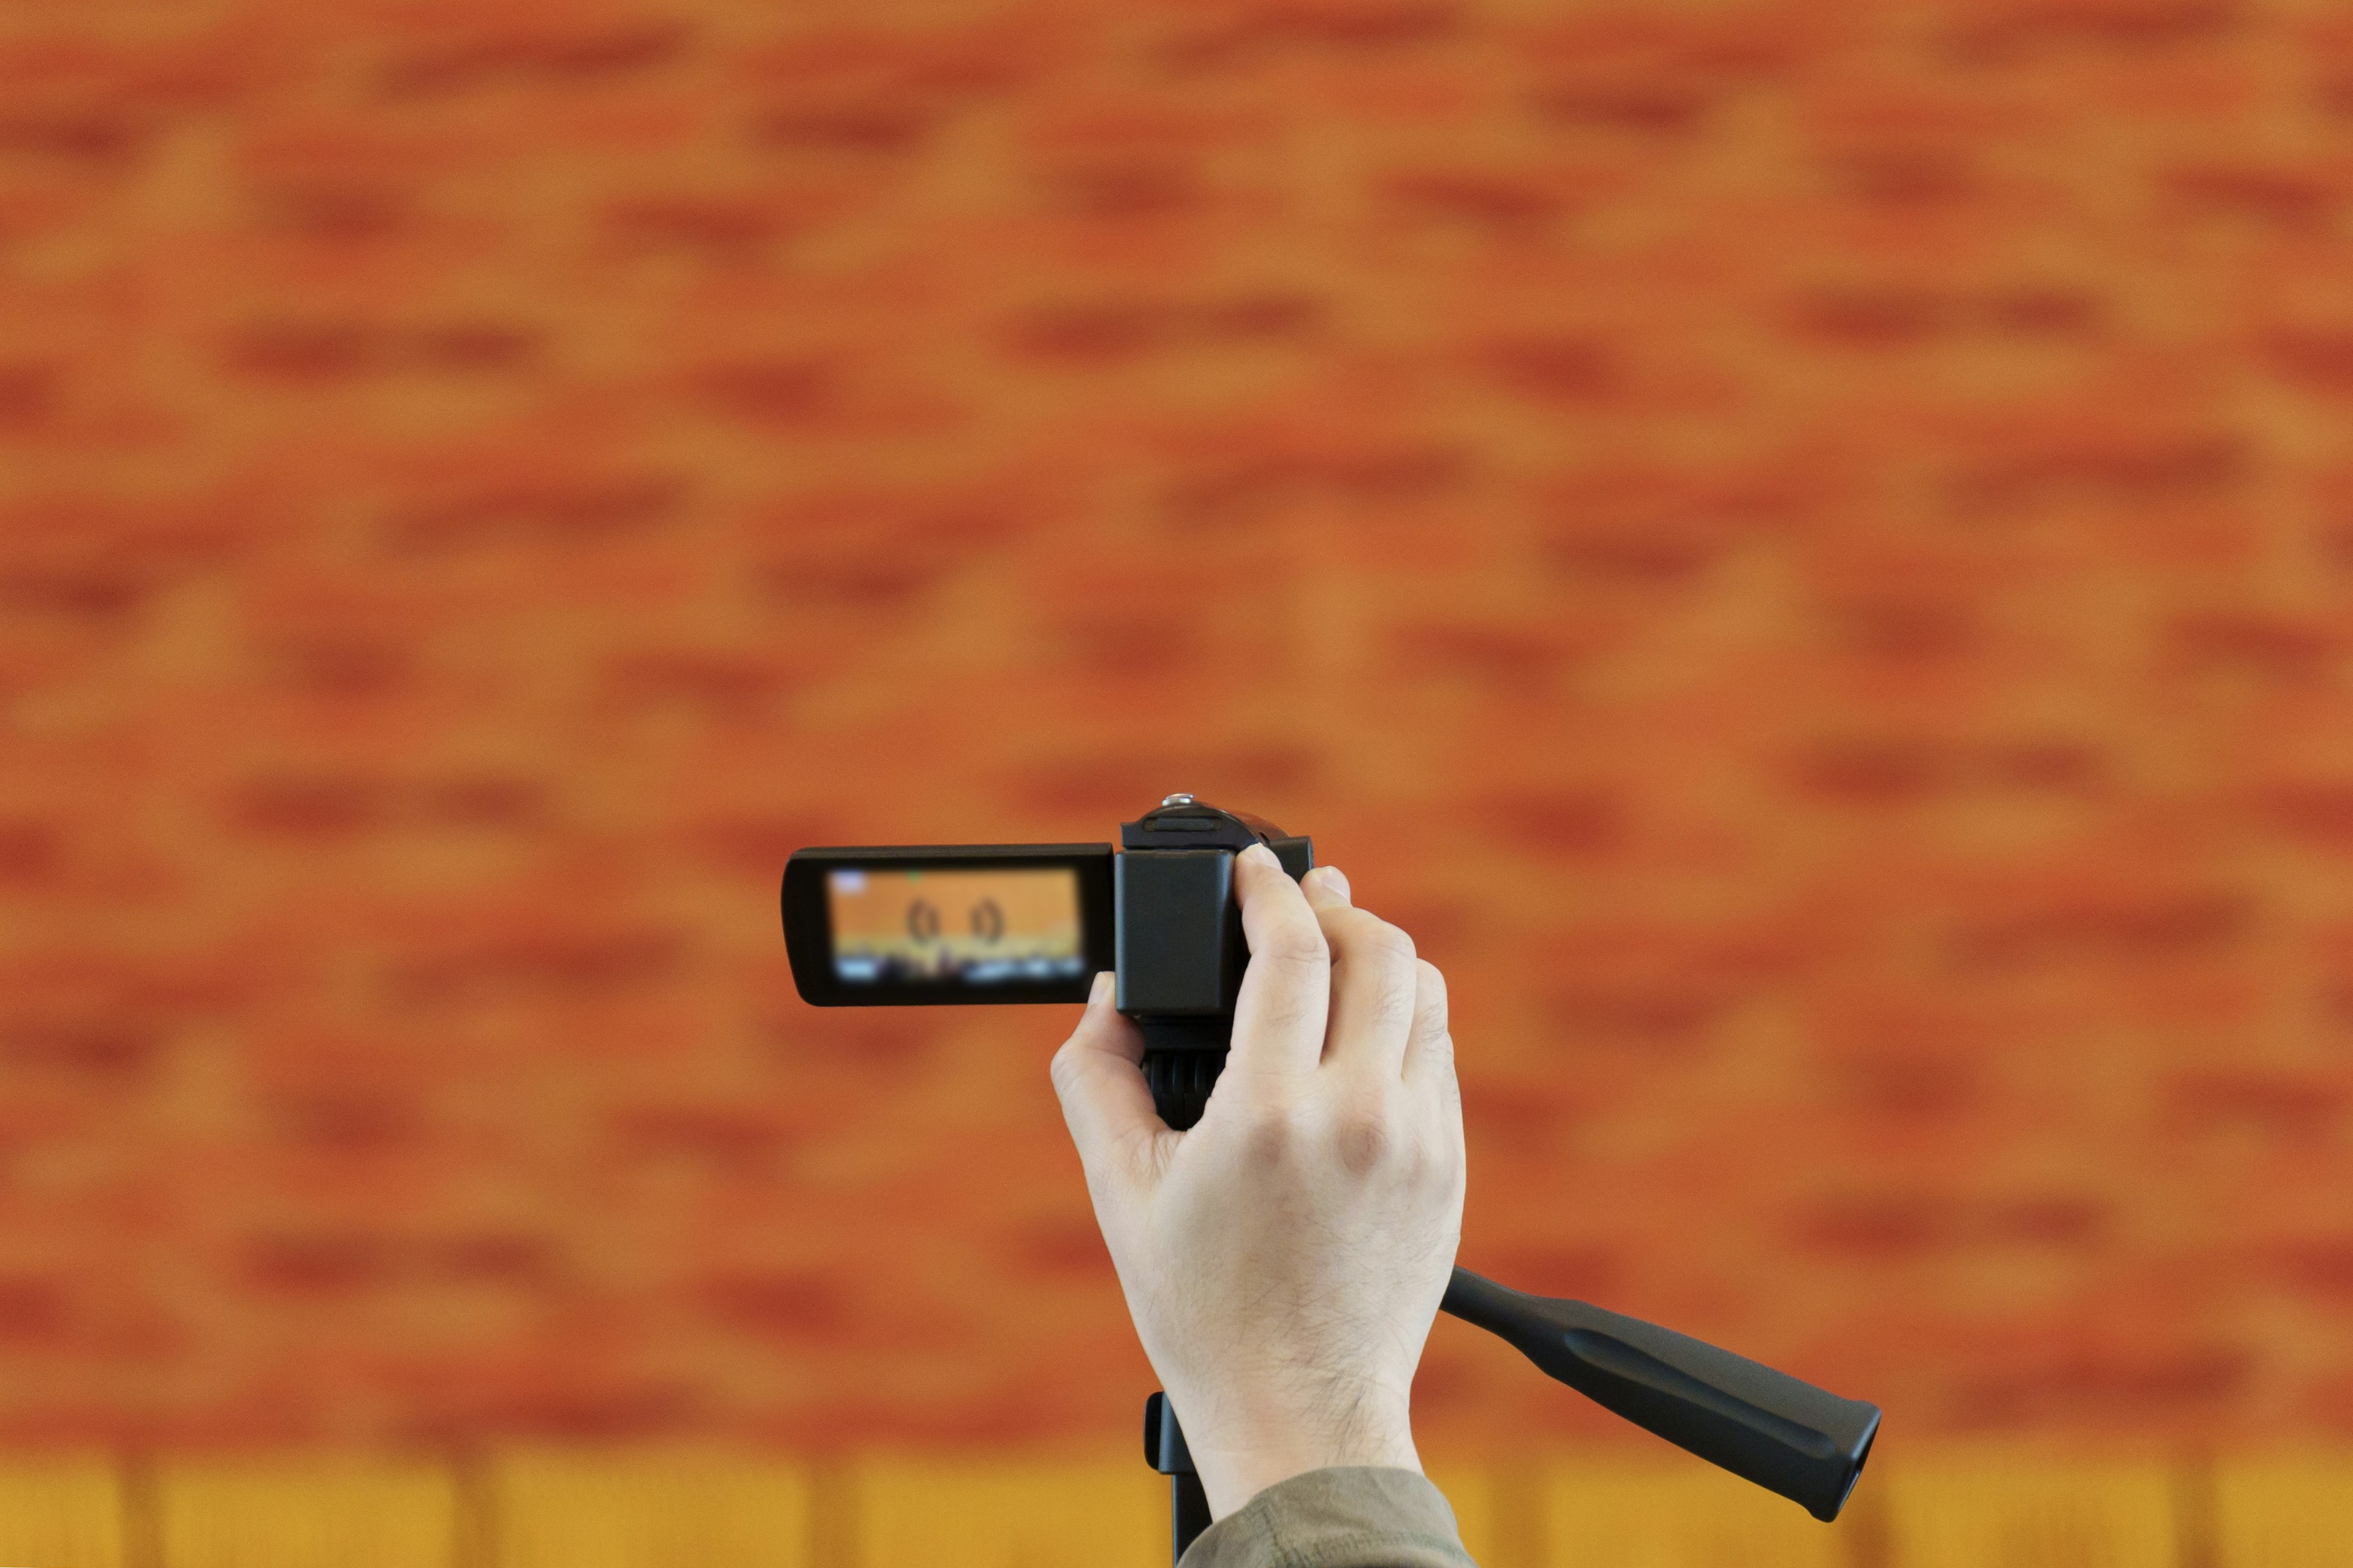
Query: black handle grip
x=1763, y=1426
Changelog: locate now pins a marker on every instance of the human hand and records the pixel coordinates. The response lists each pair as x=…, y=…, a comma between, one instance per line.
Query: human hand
x=1283, y=1258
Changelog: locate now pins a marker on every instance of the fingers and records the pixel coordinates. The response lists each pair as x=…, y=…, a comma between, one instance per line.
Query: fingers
x=1374, y=980
x=1430, y=1078
x=1430, y=1046
x=1105, y=1098
x=1286, y=991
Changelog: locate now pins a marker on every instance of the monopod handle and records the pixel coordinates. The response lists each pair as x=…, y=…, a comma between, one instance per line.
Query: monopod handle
x=1763, y=1426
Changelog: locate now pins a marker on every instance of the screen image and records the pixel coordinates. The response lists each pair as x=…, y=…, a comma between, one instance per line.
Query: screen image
x=977, y=928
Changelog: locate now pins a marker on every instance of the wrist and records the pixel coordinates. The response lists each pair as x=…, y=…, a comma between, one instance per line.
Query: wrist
x=1235, y=1470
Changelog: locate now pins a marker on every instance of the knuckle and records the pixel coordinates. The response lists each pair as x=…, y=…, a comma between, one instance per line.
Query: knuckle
x=1364, y=1139
x=1296, y=944
x=1373, y=936
x=1390, y=941
x=1281, y=1015
x=1392, y=1011
x=1420, y=1163
x=1430, y=1014
x=1271, y=1138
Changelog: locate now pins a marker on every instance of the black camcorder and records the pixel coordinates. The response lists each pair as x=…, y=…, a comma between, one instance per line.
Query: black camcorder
x=1003, y=923
x=1035, y=923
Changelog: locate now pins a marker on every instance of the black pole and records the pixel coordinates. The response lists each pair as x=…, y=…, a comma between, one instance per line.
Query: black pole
x=1165, y=1450
x=1188, y=1511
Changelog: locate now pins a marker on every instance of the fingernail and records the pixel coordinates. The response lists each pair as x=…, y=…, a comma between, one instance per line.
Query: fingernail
x=1332, y=878
x=1261, y=855
x=1099, y=995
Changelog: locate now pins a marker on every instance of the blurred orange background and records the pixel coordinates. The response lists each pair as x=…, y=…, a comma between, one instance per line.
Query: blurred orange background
x=1803, y=550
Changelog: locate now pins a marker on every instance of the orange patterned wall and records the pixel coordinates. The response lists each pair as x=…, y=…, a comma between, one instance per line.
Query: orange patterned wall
x=1804, y=549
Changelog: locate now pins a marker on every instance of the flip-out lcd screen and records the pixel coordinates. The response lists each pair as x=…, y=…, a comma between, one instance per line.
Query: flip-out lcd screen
x=947, y=927
x=918, y=925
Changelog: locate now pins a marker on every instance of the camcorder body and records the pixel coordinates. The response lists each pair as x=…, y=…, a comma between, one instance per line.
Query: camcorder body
x=1008, y=923
x=999, y=924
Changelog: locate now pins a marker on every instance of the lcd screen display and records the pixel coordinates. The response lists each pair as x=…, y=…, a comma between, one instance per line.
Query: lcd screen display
x=929, y=926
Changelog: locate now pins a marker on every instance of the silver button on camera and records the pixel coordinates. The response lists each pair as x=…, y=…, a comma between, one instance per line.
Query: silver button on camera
x=1177, y=800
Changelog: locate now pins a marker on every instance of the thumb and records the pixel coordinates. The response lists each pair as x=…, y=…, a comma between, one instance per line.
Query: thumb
x=1105, y=1098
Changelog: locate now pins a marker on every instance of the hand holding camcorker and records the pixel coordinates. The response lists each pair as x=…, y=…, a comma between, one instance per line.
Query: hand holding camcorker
x=1283, y=1258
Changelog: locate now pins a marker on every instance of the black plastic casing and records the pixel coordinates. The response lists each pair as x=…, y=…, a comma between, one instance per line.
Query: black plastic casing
x=1160, y=913
x=1764, y=1425
x=808, y=927
x=1180, y=943
x=1180, y=939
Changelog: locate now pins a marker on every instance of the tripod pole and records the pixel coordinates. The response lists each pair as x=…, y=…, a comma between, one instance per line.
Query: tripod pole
x=1164, y=1450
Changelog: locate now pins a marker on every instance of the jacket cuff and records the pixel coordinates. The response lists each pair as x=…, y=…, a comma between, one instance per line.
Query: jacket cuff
x=1351, y=1517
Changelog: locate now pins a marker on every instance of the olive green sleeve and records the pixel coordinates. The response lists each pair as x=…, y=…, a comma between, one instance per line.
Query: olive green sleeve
x=1357, y=1517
